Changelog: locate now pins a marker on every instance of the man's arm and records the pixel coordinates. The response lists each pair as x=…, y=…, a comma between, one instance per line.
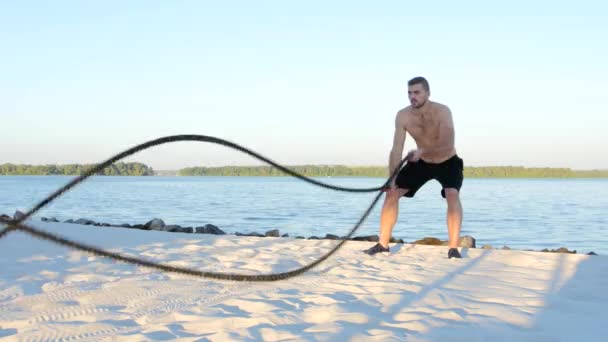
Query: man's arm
x=398, y=142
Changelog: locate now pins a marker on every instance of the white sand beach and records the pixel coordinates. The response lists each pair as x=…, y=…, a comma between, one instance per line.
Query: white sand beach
x=415, y=293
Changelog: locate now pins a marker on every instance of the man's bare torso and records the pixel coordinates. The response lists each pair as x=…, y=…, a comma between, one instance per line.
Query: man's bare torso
x=433, y=130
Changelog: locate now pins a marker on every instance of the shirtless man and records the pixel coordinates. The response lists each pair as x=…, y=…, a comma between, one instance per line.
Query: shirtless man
x=431, y=126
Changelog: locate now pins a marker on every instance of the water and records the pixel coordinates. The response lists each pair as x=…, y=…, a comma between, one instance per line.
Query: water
x=520, y=213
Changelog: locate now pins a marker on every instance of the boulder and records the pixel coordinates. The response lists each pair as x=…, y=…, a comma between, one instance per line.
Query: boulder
x=85, y=222
x=209, y=229
x=429, y=241
x=272, y=233
x=155, y=224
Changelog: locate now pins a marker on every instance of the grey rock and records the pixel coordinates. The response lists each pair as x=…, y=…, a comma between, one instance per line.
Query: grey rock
x=250, y=234
x=18, y=215
x=209, y=229
x=370, y=238
x=467, y=241
x=155, y=224
x=285, y=235
x=331, y=237
x=272, y=233
x=85, y=222
x=178, y=229
x=172, y=228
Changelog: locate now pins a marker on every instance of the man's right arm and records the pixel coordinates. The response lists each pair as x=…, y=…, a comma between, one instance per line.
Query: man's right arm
x=398, y=142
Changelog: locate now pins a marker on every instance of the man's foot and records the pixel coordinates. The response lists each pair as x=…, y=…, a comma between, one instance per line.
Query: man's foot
x=453, y=253
x=377, y=248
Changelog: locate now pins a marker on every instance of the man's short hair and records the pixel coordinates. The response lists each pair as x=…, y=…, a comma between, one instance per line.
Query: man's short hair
x=419, y=80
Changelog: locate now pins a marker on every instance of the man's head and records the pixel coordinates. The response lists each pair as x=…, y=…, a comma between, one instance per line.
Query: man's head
x=418, y=91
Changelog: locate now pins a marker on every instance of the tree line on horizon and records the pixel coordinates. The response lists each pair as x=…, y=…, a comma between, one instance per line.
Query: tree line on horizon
x=140, y=169
x=382, y=171
x=116, y=169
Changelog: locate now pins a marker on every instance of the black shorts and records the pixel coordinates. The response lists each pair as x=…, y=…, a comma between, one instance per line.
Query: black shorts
x=414, y=174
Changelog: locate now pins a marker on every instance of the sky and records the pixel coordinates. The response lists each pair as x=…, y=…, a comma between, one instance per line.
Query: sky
x=300, y=82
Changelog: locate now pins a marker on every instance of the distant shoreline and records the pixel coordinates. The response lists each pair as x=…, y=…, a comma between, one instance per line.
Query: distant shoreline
x=140, y=169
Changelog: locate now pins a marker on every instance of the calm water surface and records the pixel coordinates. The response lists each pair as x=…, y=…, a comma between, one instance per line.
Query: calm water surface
x=520, y=213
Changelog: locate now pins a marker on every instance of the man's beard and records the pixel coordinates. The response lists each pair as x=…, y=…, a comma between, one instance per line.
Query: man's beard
x=419, y=105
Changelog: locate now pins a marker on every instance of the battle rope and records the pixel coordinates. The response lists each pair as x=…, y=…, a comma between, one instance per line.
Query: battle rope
x=17, y=224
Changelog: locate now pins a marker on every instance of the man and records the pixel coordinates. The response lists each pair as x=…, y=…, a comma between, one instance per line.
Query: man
x=431, y=126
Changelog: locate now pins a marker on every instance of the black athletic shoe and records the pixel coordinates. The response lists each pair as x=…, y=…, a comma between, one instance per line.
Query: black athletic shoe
x=453, y=253
x=377, y=248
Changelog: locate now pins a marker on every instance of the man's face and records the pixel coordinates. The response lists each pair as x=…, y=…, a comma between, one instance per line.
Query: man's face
x=417, y=95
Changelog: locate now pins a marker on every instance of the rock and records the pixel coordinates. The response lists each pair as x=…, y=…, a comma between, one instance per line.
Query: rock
x=285, y=235
x=155, y=224
x=125, y=225
x=393, y=240
x=84, y=222
x=5, y=217
x=314, y=238
x=272, y=233
x=486, y=247
x=559, y=250
x=370, y=238
x=300, y=237
x=178, y=229
x=69, y=221
x=18, y=215
x=138, y=226
x=430, y=241
x=172, y=228
x=211, y=229
x=467, y=241
x=506, y=248
x=591, y=253
x=331, y=237
x=250, y=234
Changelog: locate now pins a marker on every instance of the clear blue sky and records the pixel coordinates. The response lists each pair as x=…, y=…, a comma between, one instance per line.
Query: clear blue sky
x=301, y=82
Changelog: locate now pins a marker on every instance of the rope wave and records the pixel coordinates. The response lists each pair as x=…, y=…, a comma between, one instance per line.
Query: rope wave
x=19, y=225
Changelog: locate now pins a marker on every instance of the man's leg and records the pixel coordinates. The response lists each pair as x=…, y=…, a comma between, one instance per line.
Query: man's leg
x=388, y=216
x=454, y=216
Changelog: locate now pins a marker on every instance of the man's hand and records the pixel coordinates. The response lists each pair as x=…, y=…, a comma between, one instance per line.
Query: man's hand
x=414, y=155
